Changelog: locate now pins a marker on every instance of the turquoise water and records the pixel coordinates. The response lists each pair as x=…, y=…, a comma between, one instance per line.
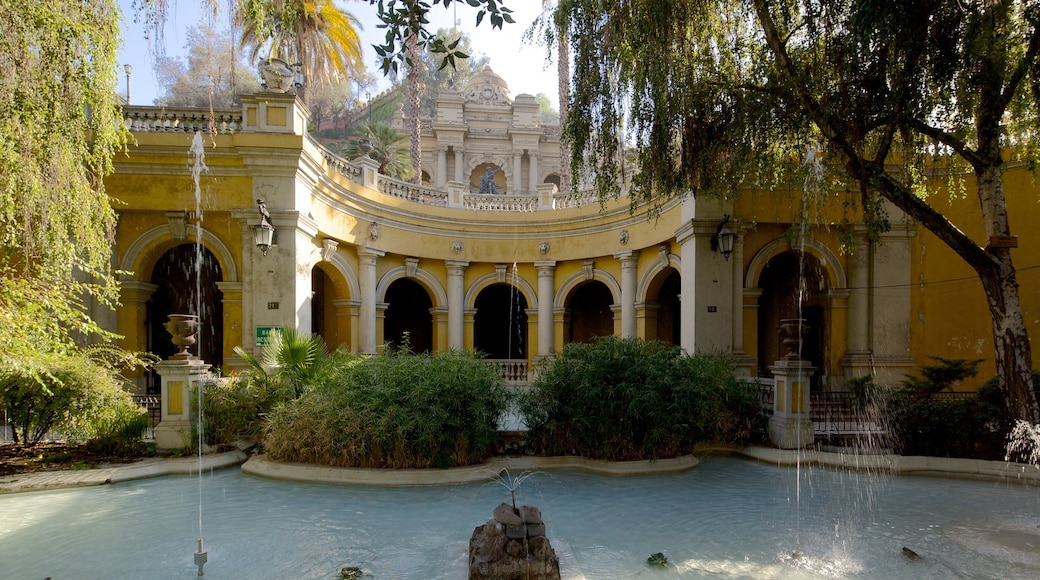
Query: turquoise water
x=728, y=518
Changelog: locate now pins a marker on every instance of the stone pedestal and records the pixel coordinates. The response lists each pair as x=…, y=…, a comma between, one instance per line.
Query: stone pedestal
x=179, y=377
x=512, y=545
x=790, y=427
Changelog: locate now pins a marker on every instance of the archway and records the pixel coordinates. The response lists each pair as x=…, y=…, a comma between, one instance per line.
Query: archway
x=500, y=323
x=669, y=309
x=589, y=312
x=408, y=312
x=481, y=171
x=183, y=287
x=324, y=317
x=793, y=286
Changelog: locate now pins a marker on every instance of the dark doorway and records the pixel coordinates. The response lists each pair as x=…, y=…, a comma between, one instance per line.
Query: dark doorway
x=590, y=313
x=187, y=277
x=793, y=286
x=408, y=313
x=669, y=313
x=500, y=323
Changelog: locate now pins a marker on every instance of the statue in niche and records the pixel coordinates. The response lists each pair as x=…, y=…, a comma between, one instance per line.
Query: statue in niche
x=487, y=181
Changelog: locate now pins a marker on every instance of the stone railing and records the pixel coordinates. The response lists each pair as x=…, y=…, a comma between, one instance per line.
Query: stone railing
x=182, y=120
x=493, y=202
x=575, y=199
x=343, y=166
x=412, y=192
x=512, y=371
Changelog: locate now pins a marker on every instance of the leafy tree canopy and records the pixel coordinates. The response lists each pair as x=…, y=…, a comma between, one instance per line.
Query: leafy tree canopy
x=61, y=129
x=214, y=74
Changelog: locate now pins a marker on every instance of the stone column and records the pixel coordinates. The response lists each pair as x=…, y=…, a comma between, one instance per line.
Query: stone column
x=518, y=179
x=459, y=165
x=442, y=166
x=859, y=311
x=456, y=308
x=742, y=361
x=629, y=261
x=367, y=258
x=532, y=172
x=546, y=293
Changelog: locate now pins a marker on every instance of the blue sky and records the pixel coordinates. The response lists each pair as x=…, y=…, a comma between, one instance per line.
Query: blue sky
x=523, y=66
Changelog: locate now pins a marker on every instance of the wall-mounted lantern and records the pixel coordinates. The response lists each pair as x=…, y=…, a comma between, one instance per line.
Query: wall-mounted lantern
x=263, y=232
x=722, y=242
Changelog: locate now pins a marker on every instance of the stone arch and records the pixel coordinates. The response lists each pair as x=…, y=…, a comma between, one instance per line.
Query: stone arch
x=487, y=280
x=475, y=168
x=425, y=279
x=828, y=259
x=153, y=243
x=340, y=273
x=651, y=273
x=570, y=283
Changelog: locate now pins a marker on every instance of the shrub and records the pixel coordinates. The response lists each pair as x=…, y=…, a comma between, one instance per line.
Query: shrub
x=392, y=410
x=626, y=399
x=78, y=395
x=924, y=422
x=237, y=407
x=118, y=428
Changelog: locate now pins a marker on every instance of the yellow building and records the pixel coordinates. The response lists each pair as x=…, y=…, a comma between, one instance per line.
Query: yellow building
x=362, y=259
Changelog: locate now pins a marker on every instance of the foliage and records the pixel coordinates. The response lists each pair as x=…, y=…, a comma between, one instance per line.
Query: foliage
x=925, y=421
x=941, y=377
x=437, y=76
x=627, y=399
x=117, y=428
x=385, y=145
x=316, y=33
x=404, y=19
x=237, y=407
x=396, y=410
x=213, y=76
x=60, y=132
x=79, y=394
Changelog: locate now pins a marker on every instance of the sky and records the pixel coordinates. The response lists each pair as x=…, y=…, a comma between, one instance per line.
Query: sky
x=522, y=65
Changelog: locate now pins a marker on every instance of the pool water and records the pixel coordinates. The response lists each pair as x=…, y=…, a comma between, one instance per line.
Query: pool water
x=728, y=518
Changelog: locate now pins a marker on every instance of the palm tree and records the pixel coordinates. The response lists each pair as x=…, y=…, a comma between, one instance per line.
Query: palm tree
x=315, y=33
x=384, y=144
x=416, y=88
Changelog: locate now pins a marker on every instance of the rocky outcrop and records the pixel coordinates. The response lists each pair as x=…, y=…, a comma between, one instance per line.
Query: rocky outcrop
x=512, y=546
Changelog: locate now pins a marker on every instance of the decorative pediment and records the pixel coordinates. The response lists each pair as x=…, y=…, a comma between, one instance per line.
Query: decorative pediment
x=487, y=93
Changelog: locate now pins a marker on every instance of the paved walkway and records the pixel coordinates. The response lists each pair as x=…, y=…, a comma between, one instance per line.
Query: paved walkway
x=153, y=467
x=260, y=466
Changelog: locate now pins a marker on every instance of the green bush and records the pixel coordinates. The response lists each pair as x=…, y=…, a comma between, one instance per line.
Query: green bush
x=76, y=395
x=236, y=407
x=924, y=422
x=627, y=399
x=118, y=428
x=396, y=410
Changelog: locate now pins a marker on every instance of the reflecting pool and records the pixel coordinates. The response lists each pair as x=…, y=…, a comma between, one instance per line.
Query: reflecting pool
x=728, y=518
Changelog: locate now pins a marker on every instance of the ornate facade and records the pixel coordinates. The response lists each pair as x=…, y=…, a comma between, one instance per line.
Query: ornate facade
x=364, y=260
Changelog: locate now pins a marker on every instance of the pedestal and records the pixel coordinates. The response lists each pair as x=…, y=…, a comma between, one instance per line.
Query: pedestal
x=178, y=378
x=790, y=426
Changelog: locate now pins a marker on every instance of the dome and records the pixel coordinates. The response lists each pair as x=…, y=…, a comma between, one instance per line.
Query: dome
x=487, y=88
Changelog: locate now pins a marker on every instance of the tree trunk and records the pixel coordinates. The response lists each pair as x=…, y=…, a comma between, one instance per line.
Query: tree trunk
x=563, y=71
x=415, y=93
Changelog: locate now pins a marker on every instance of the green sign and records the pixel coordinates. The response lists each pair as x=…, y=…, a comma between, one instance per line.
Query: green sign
x=263, y=333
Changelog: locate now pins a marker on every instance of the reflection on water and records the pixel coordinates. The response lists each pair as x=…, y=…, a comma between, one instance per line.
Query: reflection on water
x=728, y=518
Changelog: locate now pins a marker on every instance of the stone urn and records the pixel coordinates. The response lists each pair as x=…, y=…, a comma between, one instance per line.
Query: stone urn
x=792, y=332
x=183, y=328
x=278, y=75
